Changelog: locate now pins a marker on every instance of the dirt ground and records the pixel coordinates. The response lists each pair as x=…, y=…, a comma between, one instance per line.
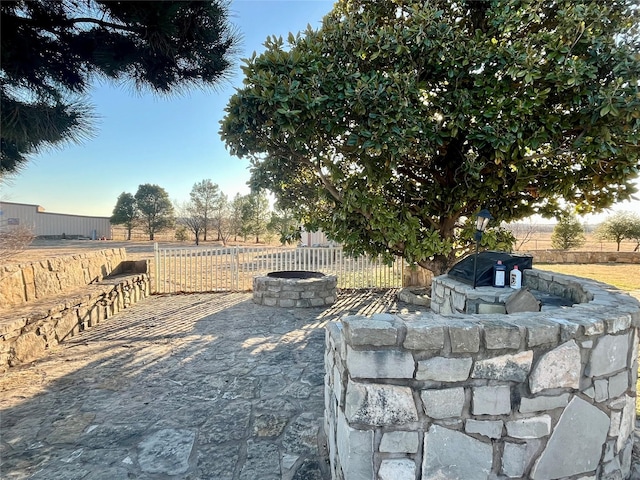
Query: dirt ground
x=136, y=250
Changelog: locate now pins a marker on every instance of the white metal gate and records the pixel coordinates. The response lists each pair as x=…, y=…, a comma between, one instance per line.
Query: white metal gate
x=208, y=269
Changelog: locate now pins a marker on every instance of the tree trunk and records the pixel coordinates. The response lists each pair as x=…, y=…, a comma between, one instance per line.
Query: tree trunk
x=438, y=265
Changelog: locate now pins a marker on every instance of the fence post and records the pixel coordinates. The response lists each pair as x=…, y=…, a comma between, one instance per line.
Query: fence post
x=156, y=263
x=235, y=252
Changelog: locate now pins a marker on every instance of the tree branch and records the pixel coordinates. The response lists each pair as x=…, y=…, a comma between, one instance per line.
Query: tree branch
x=325, y=181
x=102, y=23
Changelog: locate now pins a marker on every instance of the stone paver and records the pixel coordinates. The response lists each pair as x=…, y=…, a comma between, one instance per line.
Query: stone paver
x=203, y=386
x=208, y=387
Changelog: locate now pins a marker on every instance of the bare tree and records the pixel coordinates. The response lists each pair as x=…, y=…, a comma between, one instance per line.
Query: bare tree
x=14, y=239
x=188, y=215
x=523, y=231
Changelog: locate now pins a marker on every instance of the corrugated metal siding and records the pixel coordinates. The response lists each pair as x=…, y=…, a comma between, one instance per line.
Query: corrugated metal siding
x=14, y=214
x=53, y=224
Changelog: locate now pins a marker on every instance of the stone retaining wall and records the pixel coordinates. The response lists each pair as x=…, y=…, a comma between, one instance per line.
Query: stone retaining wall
x=561, y=256
x=24, y=283
x=545, y=395
x=28, y=332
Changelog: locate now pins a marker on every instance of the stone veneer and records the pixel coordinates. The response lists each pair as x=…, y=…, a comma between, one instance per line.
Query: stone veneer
x=23, y=283
x=43, y=303
x=544, y=395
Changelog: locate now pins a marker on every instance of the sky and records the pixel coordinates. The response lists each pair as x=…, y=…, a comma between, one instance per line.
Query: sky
x=143, y=138
x=171, y=141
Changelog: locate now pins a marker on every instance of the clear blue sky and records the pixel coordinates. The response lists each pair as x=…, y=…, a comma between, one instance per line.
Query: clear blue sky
x=172, y=142
x=142, y=138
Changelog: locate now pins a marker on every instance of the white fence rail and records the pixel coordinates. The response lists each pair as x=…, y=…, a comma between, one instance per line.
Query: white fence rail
x=206, y=269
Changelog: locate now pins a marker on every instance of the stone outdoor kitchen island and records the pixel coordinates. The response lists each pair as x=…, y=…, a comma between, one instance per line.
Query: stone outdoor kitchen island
x=538, y=395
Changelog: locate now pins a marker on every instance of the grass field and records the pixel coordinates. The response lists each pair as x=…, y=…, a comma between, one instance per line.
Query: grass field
x=623, y=276
x=542, y=241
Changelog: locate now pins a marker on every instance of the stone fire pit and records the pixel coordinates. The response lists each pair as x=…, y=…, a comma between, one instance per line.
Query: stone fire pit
x=295, y=288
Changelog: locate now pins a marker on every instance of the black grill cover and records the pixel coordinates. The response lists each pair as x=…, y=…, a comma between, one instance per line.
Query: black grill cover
x=463, y=270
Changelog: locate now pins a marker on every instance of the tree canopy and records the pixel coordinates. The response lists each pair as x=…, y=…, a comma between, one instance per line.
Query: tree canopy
x=255, y=215
x=154, y=208
x=620, y=226
x=125, y=212
x=396, y=121
x=52, y=51
x=568, y=233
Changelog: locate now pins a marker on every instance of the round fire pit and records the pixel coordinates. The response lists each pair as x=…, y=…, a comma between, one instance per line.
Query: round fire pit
x=295, y=288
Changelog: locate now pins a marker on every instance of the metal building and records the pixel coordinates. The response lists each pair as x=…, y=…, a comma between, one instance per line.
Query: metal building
x=53, y=225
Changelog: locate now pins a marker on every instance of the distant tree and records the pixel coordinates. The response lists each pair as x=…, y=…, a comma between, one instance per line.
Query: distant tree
x=235, y=216
x=284, y=223
x=523, y=232
x=181, y=234
x=635, y=236
x=220, y=220
x=620, y=226
x=568, y=233
x=52, y=51
x=125, y=212
x=155, y=208
x=205, y=197
x=255, y=215
x=189, y=217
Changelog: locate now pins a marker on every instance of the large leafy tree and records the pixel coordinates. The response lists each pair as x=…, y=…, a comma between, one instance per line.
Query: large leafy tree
x=396, y=121
x=52, y=51
x=155, y=209
x=125, y=212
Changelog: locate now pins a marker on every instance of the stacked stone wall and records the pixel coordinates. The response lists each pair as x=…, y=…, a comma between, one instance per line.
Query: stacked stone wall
x=21, y=284
x=295, y=292
x=544, y=395
x=451, y=296
x=561, y=256
x=27, y=333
